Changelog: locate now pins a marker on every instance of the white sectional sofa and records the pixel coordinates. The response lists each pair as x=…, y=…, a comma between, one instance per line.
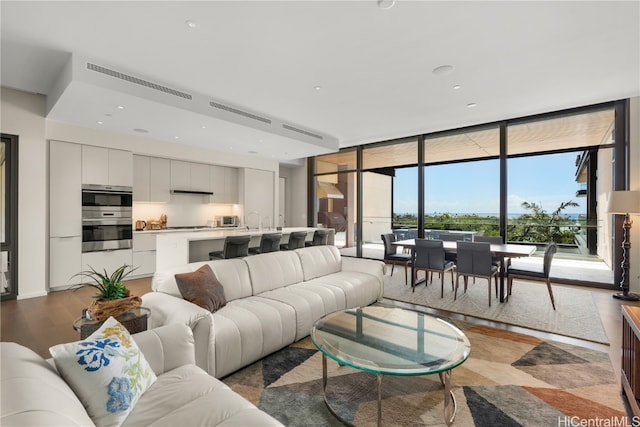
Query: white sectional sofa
x=34, y=394
x=273, y=300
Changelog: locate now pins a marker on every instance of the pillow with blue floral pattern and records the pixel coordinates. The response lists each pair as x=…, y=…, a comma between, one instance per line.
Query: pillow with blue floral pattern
x=107, y=371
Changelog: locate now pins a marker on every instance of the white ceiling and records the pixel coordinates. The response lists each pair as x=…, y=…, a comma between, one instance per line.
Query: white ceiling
x=373, y=66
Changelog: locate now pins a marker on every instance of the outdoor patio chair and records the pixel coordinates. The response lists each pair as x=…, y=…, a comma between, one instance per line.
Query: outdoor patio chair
x=430, y=257
x=474, y=260
x=391, y=255
x=234, y=247
x=534, y=273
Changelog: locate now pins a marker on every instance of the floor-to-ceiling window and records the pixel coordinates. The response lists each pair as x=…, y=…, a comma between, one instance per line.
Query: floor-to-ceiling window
x=534, y=179
x=8, y=216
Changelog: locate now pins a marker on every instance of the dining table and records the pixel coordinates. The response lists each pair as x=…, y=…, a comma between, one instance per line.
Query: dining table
x=502, y=251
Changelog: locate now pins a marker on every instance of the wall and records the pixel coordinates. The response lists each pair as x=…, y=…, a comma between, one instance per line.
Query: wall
x=296, y=195
x=23, y=115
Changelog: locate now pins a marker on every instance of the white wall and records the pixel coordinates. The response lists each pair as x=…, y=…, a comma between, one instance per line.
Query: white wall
x=23, y=115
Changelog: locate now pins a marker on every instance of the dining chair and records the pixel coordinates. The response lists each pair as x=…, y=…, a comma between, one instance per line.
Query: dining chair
x=320, y=238
x=451, y=237
x=429, y=256
x=234, y=247
x=269, y=242
x=391, y=255
x=535, y=272
x=296, y=241
x=474, y=260
x=492, y=240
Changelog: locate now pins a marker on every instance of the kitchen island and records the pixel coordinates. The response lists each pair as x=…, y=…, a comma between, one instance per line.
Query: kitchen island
x=179, y=248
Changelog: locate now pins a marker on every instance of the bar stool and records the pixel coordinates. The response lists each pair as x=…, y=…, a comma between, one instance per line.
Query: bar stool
x=320, y=237
x=269, y=242
x=234, y=247
x=296, y=240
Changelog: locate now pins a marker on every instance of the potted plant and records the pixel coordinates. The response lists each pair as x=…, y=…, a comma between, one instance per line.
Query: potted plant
x=113, y=297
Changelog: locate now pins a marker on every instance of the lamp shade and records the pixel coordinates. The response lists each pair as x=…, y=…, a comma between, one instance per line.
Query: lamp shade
x=624, y=202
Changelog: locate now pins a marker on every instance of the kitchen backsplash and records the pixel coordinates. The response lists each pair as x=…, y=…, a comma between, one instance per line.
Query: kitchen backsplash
x=183, y=210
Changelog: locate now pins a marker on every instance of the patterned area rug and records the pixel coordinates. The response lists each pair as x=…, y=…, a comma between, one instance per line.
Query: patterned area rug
x=576, y=314
x=510, y=379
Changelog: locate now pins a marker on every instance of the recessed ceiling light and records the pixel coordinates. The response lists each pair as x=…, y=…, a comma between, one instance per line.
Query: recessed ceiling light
x=317, y=88
x=140, y=130
x=442, y=70
x=472, y=105
x=120, y=107
x=386, y=4
x=190, y=24
x=99, y=122
x=456, y=87
x=203, y=127
x=176, y=137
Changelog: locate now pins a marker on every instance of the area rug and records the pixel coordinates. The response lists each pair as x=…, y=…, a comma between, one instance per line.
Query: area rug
x=510, y=379
x=529, y=306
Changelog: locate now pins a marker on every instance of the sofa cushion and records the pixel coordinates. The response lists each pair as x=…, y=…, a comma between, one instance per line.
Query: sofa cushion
x=232, y=274
x=319, y=261
x=360, y=289
x=202, y=288
x=32, y=392
x=188, y=396
x=274, y=270
x=106, y=371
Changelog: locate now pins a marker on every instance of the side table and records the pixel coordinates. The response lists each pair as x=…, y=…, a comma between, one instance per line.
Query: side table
x=134, y=320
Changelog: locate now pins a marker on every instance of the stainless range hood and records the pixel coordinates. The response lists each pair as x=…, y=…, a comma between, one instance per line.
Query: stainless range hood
x=326, y=190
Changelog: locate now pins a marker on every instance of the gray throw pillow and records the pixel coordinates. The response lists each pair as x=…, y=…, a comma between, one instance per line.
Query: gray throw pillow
x=202, y=287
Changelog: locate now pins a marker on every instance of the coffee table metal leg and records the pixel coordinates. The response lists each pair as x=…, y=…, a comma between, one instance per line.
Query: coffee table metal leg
x=450, y=405
x=379, y=400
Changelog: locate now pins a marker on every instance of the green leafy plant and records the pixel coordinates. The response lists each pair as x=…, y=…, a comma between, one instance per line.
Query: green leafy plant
x=109, y=286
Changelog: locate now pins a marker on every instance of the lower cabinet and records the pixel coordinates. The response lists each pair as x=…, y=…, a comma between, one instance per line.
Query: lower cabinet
x=144, y=254
x=106, y=260
x=64, y=261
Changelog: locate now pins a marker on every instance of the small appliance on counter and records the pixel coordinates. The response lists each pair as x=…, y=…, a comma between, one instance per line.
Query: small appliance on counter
x=141, y=225
x=228, y=221
x=154, y=224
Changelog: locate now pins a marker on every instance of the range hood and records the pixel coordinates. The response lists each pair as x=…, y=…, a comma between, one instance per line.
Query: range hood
x=327, y=190
x=199, y=193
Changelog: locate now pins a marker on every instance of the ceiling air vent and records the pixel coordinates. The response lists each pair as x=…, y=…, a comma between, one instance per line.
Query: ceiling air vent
x=239, y=112
x=304, y=132
x=131, y=79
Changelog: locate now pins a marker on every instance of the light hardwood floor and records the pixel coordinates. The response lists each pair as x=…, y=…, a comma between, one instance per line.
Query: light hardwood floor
x=39, y=323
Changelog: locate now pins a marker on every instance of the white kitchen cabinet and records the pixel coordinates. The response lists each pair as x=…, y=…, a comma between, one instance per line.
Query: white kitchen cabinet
x=151, y=179
x=258, y=194
x=64, y=261
x=109, y=260
x=106, y=166
x=65, y=189
x=190, y=176
x=224, y=184
x=144, y=253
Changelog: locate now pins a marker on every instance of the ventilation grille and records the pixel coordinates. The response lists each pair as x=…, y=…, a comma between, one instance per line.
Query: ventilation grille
x=239, y=112
x=137, y=81
x=304, y=132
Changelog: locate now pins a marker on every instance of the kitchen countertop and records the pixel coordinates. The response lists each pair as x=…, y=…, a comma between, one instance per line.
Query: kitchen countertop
x=220, y=233
x=188, y=230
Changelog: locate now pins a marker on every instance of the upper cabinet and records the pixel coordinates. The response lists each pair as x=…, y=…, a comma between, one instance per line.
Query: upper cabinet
x=224, y=184
x=151, y=179
x=106, y=166
x=190, y=176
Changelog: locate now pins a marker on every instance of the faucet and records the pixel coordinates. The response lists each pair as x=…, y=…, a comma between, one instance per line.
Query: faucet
x=248, y=219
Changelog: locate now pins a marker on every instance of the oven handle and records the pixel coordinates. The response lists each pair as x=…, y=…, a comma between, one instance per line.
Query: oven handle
x=109, y=221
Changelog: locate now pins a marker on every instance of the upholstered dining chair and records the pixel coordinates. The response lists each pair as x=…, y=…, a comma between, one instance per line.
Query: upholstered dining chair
x=429, y=257
x=451, y=237
x=391, y=255
x=534, y=273
x=474, y=260
x=320, y=237
x=234, y=247
x=296, y=241
x=492, y=240
x=269, y=242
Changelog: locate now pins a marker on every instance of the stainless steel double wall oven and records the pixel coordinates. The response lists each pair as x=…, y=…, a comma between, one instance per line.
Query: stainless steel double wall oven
x=106, y=218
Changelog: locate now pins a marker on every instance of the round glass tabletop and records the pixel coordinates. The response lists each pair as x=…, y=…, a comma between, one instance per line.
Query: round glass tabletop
x=391, y=341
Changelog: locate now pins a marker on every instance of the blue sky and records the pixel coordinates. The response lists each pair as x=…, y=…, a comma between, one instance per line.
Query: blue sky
x=473, y=187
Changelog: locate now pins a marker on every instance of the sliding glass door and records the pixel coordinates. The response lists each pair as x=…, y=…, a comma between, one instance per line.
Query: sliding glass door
x=8, y=216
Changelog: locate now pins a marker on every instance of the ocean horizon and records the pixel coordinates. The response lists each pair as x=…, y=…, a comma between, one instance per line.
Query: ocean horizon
x=574, y=216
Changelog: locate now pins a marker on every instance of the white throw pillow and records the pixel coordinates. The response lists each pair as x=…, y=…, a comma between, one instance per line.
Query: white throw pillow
x=107, y=371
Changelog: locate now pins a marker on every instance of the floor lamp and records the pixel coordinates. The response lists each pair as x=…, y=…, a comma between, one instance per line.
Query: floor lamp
x=625, y=203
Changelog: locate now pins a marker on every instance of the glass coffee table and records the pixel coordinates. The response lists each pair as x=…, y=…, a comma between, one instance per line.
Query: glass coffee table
x=392, y=341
